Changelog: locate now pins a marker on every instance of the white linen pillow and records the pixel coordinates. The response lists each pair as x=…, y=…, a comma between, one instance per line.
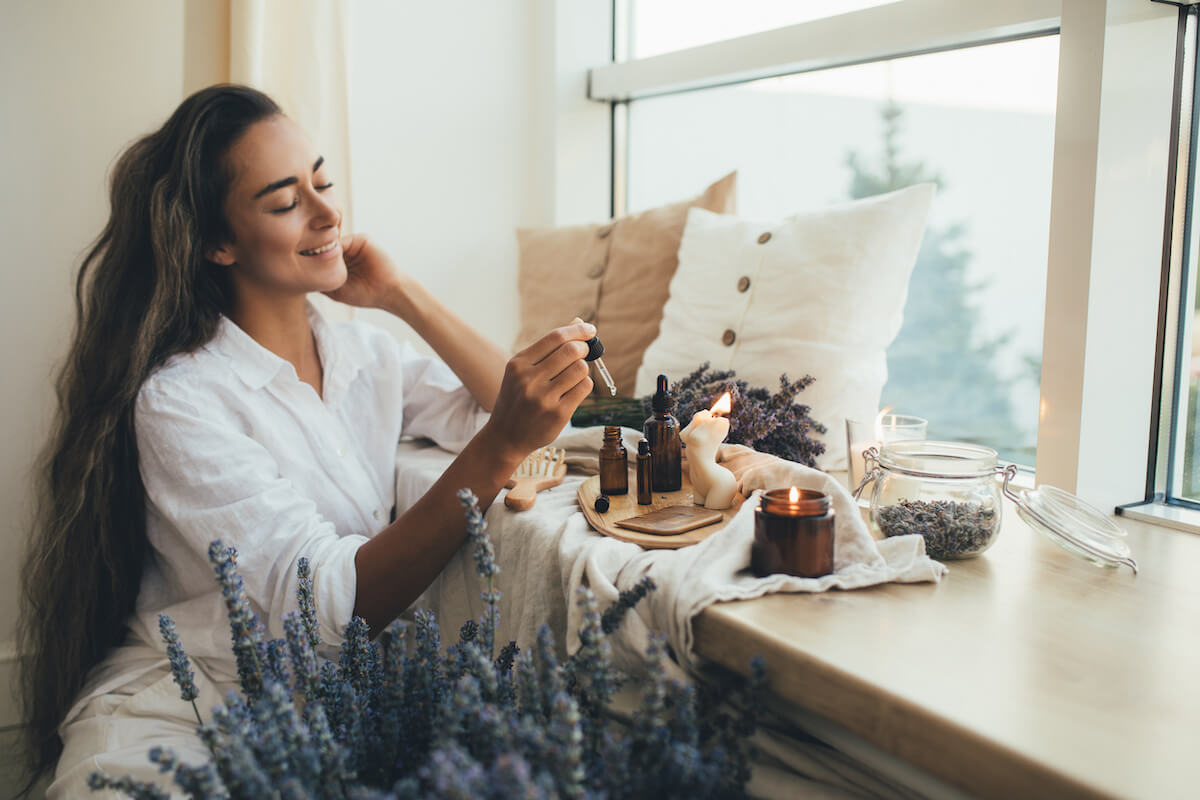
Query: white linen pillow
x=818, y=294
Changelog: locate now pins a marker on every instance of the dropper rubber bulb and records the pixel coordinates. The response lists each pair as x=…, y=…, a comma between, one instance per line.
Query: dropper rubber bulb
x=595, y=350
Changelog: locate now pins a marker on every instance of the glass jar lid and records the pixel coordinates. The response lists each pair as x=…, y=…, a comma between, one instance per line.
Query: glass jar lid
x=928, y=458
x=1072, y=524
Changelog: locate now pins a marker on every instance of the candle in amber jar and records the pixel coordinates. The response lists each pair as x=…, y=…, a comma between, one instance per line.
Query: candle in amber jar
x=793, y=534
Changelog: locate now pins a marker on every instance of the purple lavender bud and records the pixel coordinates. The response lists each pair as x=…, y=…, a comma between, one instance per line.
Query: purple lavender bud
x=181, y=667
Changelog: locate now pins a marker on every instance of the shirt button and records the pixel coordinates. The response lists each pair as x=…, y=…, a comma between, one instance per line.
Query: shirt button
x=597, y=271
x=341, y=452
x=376, y=514
x=764, y=238
x=587, y=314
x=743, y=283
x=604, y=232
x=728, y=337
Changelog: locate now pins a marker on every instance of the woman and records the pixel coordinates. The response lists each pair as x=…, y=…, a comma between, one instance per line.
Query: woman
x=205, y=398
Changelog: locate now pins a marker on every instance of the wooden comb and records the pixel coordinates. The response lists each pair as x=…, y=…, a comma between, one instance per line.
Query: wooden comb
x=541, y=469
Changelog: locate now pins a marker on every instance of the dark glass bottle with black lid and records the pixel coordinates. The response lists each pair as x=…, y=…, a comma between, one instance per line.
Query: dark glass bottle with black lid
x=662, y=431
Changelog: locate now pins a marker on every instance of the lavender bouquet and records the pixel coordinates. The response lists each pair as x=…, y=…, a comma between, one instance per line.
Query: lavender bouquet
x=770, y=422
x=390, y=721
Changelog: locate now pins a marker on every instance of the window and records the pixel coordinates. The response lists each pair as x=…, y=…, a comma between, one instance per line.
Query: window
x=1181, y=467
x=1101, y=153
x=979, y=121
x=655, y=25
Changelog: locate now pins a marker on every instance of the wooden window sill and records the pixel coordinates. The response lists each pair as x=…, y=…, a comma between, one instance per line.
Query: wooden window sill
x=1025, y=672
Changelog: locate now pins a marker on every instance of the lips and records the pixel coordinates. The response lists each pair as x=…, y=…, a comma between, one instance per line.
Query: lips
x=316, y=251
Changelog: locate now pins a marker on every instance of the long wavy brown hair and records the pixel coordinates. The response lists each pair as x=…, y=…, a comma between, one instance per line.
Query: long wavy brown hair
x=145, y=292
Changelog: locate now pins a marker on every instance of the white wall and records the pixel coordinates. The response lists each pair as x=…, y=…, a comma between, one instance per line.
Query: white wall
x=457, y=124
x=79, y=80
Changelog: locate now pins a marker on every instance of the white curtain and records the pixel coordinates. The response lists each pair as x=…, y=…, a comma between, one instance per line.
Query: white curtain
x=296, y=51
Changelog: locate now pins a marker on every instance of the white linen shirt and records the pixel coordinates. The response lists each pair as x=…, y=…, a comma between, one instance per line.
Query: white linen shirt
x=233, y=446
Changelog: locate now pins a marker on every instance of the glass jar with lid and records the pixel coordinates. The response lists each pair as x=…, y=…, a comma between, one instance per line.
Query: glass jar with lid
x=945, y=491
x=950, y=493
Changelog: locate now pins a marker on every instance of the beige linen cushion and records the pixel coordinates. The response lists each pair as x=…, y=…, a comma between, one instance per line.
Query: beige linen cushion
x=820, y=294
x=613, y=274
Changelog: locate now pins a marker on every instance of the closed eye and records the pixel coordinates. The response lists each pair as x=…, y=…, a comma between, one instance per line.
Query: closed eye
x=296, y=202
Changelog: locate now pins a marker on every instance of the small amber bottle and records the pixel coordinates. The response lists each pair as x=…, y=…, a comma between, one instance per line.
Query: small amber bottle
x=614, y=463
x=662, y=431
x=645, y=472
x=793, y=535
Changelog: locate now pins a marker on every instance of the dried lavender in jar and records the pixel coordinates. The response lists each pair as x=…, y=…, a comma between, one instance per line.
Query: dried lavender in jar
x=950, y=529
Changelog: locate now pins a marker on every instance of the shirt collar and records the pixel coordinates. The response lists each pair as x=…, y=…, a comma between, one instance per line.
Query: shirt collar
x=341, y=357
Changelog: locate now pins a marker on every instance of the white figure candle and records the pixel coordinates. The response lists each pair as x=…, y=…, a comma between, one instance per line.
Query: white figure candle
x=713, y=486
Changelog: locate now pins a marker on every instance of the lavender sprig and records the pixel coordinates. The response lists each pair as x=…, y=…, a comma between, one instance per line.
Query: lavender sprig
x=181, y=666
x=307, y=603
x=485, y=565
x=245, y=629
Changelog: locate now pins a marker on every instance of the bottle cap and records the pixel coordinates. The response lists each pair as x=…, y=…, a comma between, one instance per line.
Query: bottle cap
x=595, y=349
x=663, y=401
x=643, y=448
x=602, y=504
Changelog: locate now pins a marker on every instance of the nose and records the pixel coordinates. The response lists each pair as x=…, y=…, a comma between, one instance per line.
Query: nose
x=326, y=213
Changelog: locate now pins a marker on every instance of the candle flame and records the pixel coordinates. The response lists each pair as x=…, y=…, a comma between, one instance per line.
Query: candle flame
x=723, y=405
x=794, y=495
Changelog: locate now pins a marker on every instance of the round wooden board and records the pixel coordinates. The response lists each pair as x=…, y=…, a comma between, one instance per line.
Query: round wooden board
x=624, y=506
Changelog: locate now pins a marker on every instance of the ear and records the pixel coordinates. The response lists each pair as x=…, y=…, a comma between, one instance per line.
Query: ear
x=222, y=255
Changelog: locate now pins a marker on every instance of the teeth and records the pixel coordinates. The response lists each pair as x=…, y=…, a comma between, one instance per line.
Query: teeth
x=319, y=250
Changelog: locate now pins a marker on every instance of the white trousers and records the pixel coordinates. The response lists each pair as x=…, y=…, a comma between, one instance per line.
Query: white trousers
x=115, y=731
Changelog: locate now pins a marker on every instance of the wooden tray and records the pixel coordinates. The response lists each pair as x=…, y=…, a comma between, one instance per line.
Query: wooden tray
x=624, y=506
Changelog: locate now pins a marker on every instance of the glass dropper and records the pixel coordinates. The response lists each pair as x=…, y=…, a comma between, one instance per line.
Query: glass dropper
x=595, y=350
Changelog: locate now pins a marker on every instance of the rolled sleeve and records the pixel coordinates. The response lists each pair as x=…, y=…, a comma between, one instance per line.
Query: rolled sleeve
x=206, y=480
x=436, y=404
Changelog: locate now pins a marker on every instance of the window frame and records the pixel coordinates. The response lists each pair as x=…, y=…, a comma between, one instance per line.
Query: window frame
x=1110, y=210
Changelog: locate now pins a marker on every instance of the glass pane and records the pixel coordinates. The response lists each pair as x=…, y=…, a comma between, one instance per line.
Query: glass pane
x=660, y=26
x=980, y=121
x=1186, y=455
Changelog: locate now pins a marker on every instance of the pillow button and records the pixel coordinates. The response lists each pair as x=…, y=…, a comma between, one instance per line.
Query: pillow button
x=598, y=270
x=743, y=283
x=604, y=232
x=728, y=337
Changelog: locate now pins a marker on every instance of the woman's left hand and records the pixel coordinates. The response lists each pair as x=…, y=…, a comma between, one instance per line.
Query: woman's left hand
x=372, y=277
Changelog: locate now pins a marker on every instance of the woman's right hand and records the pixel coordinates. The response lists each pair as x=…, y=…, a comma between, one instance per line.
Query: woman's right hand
x=542, y=386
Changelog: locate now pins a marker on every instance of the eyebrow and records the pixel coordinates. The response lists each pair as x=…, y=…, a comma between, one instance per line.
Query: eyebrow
x=270, y=187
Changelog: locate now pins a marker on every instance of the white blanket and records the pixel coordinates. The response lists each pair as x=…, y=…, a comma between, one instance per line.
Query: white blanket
x=545, y=553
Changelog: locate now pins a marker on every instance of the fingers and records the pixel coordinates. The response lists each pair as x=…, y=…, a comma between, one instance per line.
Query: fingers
x=575, y=373
x=578, y=330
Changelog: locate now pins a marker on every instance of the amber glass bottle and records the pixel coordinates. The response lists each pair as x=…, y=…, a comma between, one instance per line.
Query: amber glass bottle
x=662, y=431
x=614, y=463
x=645, y=471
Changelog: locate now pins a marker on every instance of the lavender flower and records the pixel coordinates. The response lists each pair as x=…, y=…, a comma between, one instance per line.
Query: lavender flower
x=356, y=655
x=388, y=723
x=485, y=565
x=138, y=790
x=770, y=423
x=626, y=600
x=181, y=667
x=307, y=603
x=304, y=660
x=245, y=629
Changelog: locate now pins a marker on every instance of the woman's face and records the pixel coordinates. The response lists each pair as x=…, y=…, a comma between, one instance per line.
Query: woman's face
x=284, y=215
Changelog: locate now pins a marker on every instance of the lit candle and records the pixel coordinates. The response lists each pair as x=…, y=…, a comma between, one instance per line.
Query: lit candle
x=886, y=428
x=713, y=486
x=793, y=534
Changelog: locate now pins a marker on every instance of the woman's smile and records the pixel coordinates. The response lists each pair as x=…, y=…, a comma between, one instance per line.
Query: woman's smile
x=329, y=250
